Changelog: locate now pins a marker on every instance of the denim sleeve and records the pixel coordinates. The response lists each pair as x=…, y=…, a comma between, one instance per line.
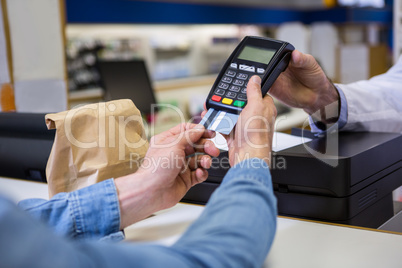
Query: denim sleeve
x=238, y=225
x=342, y=119
x=236, y=229
x=91, y=212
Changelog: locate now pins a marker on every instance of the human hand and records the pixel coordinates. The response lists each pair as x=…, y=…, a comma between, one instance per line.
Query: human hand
x=255, y=127
x=253, y=133
x=167, y=172
x=304, y=85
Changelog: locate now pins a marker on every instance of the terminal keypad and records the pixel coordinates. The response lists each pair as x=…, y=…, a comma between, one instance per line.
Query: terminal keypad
x=232, y=88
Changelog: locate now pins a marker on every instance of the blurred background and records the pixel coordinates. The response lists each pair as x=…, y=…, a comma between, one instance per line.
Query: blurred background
x=185, y=43
x=170, y=51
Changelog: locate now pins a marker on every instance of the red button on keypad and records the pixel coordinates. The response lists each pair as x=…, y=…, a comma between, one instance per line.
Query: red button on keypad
x=216, y=98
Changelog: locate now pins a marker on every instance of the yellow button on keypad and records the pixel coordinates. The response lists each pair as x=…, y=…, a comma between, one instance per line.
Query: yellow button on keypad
x=227, y=101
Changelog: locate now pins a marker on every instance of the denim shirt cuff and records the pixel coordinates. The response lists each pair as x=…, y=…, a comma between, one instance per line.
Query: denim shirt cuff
x=95, y=210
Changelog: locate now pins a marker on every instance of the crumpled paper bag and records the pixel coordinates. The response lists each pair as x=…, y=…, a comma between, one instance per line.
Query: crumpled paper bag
x=93, y=143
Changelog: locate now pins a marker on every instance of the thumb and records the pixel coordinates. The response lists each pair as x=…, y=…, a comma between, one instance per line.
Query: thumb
x=303, y=61
x=191, y=136
x=254, y=89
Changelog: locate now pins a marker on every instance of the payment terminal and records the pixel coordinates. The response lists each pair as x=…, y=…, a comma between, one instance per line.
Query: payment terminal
x=261, y=56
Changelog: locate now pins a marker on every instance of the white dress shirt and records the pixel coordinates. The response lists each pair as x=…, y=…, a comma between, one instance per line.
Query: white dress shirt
x=372, y=105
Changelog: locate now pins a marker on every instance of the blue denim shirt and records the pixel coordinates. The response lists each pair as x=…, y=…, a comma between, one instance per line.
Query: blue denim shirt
x=236, y=228
x=92, y=212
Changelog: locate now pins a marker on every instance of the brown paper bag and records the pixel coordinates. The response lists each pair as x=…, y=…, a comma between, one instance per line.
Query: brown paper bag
x=93, y=143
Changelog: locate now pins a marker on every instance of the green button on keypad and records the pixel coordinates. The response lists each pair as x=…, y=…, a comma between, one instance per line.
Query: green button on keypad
x=238, y=103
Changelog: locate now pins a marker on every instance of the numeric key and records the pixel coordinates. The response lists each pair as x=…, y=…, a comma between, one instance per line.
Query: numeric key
x=230, y=73
x=223, y=85
x=227, y=79
x=234, y=88
x=242, y=76
x=238, y=82
x=231, y=94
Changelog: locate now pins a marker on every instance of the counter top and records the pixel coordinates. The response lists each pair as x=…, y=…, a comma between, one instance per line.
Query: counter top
x=298, y=243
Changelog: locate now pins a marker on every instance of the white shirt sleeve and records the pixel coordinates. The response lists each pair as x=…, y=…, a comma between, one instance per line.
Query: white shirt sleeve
x=375, y=104
x=342, y=119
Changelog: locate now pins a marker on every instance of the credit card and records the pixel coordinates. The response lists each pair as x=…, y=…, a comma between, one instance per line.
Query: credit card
x=219, y=121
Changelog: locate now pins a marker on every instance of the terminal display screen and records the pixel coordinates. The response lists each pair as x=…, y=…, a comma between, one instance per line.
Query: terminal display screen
x=256, y=54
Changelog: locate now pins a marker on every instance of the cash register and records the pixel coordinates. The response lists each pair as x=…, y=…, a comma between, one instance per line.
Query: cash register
x=357, y=190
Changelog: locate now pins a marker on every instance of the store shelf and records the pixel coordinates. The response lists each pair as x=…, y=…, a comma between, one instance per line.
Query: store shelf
x=151, y=12
x=174, y=84
x=121, y=11
x=350, y=15
x=85, y=94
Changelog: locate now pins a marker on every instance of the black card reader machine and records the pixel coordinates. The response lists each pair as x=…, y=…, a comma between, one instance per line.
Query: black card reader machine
x=261, y=56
